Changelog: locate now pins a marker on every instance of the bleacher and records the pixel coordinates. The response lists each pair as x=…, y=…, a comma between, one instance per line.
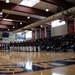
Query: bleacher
x=56, y=43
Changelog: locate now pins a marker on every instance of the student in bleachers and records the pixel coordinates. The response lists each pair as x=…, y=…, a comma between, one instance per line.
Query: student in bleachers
x=56, y=43
x=74, y=46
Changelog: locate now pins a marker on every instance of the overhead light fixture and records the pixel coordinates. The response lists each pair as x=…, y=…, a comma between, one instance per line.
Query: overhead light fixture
x=1, y=13
x=31, y=28
x=28, y=17
x=8, y=29
x=41, y=26
x=20, y=23
x=13, y=26
x=29, y=3
x=47, y=9
x=7, y=19
x=7, y=1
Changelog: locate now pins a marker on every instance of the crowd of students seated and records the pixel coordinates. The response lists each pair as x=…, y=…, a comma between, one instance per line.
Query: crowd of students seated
x=55, y=43
x=62, y=43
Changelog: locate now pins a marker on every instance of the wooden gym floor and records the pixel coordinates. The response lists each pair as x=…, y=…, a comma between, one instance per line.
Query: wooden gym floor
x=37, y=63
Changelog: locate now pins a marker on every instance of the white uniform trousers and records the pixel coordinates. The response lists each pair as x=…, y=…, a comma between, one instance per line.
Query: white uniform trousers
x=34, y=48
x=38, y=48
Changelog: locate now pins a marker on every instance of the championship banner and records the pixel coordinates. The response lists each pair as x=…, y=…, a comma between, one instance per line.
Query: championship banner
x=70, y=26
x=48, y=31
x=42, y=32
x=38, y=33
x=33, y=34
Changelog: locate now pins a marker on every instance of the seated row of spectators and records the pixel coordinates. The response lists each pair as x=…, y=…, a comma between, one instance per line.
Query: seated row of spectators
x=55, y=43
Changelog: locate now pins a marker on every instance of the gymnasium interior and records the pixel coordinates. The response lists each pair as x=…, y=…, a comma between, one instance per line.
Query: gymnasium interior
x=37, y=37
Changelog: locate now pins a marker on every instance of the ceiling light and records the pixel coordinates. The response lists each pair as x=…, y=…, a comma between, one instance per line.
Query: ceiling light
x=47, y=9
x=7, y=19
x=8, y=29
x=1, y=13
x=7, y=1
x=41, y=26
x=28, y=17
x=29, y=3
x=20, y=22
x=31, y=28
x=13, y=26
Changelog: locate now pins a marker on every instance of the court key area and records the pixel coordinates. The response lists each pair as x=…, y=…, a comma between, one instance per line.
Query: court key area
x=37, y=63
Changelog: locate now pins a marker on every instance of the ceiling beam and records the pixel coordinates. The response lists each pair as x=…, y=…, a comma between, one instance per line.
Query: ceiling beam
x=10, y=6
x=3, y=29
x=22, y=18
x=48, y=19
x=62, y=3
x=4, y=26
x=34, y=11
x=3, y=22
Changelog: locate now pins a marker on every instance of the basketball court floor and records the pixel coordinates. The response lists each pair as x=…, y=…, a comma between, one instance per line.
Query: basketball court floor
x=37, y=63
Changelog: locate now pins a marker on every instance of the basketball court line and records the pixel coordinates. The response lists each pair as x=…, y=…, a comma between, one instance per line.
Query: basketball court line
x=38, y=66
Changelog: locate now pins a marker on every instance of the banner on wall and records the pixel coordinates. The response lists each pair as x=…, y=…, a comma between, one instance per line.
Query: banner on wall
x=38, y=34
x=42, y=32
x=70, y=26
x=5, y=35
x=48, y=31
x=20, y=36
x=33, y=34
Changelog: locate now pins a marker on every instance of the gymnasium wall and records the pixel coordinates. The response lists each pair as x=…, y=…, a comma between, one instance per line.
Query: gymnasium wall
x=55, y=31
x=59, y=30
x=74, y=25
x=10, y=38
x=68, y=28
x=0, y=35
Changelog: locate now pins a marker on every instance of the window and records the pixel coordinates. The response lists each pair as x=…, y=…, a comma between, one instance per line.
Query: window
x=20, y=36
x=29, y=3
x=56, y=23
x=29, y=35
